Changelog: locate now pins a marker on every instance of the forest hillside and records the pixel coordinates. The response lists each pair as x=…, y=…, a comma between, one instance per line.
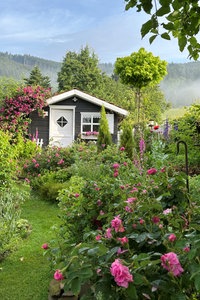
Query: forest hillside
x=181, y=85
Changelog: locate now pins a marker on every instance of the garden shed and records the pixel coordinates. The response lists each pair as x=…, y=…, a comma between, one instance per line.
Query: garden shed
x=73, y=115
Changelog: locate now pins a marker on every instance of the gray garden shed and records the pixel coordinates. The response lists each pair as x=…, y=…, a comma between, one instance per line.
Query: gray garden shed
x=71, y=115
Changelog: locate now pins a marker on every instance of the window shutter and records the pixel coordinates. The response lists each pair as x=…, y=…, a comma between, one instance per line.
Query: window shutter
x=110, y=118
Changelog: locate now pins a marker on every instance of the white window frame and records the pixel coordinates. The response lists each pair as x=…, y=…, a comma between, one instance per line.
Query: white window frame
x=110, y=118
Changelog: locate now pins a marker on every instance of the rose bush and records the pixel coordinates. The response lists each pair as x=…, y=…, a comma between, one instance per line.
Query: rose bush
x=131, y=233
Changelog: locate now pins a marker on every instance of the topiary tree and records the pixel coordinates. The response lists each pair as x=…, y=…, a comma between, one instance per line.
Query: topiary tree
x=126, y=138
x=104, y=136
x=140, y=70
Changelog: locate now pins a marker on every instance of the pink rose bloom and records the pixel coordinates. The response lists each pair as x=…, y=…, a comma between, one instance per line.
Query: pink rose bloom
x=122, y=149
x=116, y=173
x=155, y=220
x=144, y=191
x=172, y=237
x=116, y=166
x=186, y=249
x=98, y=237
x=125, y=163
x=58, y=275
x=128, y=209
x=45, y=246
x=170, y=262
x=167, y=211
x=121, y=273
x=131, y=200
x=77, y=195
x=116, y=223
x=99, y=202
x=151, y=171
x=123, y=240
x=141, y=221
x=134, y=189
x=108, y=233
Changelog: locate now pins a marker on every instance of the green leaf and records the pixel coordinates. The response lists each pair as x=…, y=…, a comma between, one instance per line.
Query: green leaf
x=76, y=285
x=146, y=28
x=182, y=41
x=130, y=4
x=152, y=38
x=165, y=36
x=179, y=296
x=132, y=292
x=163, y=11
x=138, y=279
x=197, y=282
x=169, y=26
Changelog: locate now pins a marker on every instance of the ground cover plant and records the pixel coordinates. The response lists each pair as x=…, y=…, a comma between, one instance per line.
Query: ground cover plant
x=131, y=231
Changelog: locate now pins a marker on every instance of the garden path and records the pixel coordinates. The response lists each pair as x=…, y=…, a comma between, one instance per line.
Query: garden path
x=26, y=273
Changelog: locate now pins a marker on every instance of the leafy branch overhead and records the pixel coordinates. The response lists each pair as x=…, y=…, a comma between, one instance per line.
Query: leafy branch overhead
x=171, y=18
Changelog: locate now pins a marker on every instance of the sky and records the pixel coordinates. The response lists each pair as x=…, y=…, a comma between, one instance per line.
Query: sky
x=50, y=28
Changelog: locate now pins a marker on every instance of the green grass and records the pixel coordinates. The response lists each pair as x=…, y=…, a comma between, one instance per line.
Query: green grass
x=26, y=273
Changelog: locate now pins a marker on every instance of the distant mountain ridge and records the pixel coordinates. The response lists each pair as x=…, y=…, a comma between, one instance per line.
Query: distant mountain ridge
x=180, y=86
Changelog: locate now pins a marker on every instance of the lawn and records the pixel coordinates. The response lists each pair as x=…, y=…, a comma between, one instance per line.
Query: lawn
x=26, y=273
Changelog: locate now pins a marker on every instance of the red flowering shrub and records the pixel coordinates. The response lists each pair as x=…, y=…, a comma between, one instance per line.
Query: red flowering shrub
x=15, y=111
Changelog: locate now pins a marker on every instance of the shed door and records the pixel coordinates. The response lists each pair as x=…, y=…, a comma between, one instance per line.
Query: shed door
x=61, y=127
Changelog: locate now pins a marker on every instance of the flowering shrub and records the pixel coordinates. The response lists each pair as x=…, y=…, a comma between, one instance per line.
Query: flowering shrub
x=48, y=159
x=15, y=111
x=133, y=235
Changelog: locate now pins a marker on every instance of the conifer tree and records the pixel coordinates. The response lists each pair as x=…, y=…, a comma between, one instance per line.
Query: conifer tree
x=104, y=137
x=126, y=138
x=37, y=79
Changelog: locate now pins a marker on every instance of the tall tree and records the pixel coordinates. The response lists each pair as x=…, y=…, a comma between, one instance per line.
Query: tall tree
x=37, y=79
x=171, y=18
x=139, y=70
x=80, y=70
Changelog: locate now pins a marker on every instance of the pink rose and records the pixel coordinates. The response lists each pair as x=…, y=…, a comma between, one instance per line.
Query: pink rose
x=151, y=171
x=131, y=200
x=116, y=166
x=108, y=233
x=45, y=246
x=155, y=219
x=141, y=221
x=172, y=237
x=123, y=240
x=116, y=223
x=186, y=249
x=98, y=237
x=58, y=275
x=170, y=262
x=121, y=273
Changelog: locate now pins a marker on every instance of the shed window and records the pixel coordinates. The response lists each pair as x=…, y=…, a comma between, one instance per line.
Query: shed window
x=90, y=124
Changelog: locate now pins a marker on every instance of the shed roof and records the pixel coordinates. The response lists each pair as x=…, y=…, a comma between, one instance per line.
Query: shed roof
x=86, y=97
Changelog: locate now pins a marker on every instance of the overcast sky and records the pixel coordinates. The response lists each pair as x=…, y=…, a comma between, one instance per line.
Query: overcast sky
x=50, y=28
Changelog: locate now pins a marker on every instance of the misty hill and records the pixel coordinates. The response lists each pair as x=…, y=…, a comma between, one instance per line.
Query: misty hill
x=181, y=86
